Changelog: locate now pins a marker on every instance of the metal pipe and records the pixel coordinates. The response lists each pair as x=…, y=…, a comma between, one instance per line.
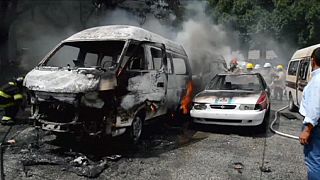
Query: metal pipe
x=278, y=132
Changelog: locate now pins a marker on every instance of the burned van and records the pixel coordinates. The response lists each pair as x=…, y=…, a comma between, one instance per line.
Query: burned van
x=106, y=81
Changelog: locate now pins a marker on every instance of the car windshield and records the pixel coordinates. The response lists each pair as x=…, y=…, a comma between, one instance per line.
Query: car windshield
x=247, y=82
x=102, y=54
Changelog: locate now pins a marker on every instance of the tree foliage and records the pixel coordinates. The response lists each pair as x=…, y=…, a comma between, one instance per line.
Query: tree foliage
x=291, y=21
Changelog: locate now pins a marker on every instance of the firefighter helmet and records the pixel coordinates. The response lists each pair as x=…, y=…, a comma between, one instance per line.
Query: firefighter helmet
x=234, y=61
x=19, y=81
x=280, y=67
x=267, y=65
x=249, y=66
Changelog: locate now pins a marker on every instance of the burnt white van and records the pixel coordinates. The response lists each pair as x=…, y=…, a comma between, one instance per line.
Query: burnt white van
x=298, y=75
x=106, y=81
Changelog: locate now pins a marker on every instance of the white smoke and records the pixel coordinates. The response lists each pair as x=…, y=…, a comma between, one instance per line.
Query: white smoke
x=203, y=40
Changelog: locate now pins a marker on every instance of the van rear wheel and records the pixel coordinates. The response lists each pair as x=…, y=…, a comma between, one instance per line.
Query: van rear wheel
x=292, y=106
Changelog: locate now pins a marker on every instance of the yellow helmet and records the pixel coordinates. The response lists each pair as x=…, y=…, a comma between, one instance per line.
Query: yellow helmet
x=249, y=66
x=280, y=67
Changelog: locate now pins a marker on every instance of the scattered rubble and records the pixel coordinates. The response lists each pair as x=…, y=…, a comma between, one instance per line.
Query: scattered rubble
x=114, y=157
x=265, y=169
x=238, y=166
x=81, y=166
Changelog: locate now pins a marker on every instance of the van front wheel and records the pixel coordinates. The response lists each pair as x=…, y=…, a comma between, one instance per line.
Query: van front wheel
x=135, y=130
x=292, y=106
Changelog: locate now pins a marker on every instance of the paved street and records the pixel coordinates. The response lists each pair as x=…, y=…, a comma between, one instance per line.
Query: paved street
x=205, y=152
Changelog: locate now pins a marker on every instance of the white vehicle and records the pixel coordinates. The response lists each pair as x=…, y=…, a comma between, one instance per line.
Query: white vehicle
x=237, y=100
x=298, y=75
x=106, y=81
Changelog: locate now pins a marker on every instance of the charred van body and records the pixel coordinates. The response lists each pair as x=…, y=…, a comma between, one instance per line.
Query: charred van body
x=107, y=81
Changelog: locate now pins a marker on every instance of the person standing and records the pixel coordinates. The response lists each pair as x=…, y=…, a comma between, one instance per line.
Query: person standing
x=310, y=109
x=278, y=83
x=234, y=66
x=267, y=73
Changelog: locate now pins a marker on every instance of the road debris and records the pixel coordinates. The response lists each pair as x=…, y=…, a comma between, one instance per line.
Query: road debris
x=80, y=161
x=114, y=157
x=238, y=166
x=81, y=166
x=11, y=142
x=265, y=169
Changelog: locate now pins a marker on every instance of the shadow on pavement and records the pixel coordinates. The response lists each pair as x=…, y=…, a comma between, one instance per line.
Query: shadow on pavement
x=246, y=131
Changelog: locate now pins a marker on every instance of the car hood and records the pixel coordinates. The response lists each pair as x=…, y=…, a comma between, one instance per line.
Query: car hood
x=227, y=97
x=59, y=80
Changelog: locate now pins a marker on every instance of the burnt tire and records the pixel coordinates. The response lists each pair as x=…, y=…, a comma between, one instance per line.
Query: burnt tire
x=292, y=106
x=263, y=127
x=134, y=132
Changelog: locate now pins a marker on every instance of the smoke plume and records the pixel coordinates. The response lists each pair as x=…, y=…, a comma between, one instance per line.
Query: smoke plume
x=203, y=40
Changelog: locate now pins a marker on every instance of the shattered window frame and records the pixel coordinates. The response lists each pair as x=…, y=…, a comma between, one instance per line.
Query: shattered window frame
x=219, y=82
x=126, y=60
x=169, y=64
x=101, y=54
x=156, y=59
x=293, y=67
x=176, y=57
x=303, y=69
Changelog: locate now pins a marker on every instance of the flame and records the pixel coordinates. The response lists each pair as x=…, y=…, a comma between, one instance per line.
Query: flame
x=187, y=99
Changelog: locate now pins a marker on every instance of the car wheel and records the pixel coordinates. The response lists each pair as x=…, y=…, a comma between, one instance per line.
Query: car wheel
x=135, y=130
x=292, y=106
x=263, y=127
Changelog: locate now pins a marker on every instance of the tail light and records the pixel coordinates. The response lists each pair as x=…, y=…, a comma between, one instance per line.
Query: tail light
x=262, y=102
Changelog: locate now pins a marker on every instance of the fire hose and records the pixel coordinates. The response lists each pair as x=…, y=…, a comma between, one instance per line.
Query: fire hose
x=278, y=132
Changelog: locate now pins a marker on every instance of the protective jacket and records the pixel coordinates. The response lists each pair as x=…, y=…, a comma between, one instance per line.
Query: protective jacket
x=9, y=94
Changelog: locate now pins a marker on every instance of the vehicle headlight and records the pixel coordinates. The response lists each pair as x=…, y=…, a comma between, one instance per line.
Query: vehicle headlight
x=247, y=107
x=199, y=106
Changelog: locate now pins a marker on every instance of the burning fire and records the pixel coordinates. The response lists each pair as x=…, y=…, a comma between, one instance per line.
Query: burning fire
x=187, y=99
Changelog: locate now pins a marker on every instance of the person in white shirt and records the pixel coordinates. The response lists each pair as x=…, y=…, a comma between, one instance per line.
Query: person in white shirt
x=310, y=109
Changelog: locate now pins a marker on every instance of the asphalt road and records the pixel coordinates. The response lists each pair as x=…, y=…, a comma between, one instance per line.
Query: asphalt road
x=203, y=152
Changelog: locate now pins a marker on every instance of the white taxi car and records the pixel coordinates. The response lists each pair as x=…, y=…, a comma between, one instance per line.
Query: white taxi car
x=233, y=99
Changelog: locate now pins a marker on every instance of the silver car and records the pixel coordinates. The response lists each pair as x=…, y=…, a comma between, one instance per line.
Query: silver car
x=233, y=99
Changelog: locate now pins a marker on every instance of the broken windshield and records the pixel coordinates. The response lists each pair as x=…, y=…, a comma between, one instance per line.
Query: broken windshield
x=235, y=82
x=97, y=54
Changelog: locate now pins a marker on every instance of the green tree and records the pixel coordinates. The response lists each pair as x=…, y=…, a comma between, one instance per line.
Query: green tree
x=295, y=22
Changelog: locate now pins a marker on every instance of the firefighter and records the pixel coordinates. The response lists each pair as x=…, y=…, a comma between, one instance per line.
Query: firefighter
x=10, y=100
x=234, y=66
x=278, y=83
x=267, y=72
